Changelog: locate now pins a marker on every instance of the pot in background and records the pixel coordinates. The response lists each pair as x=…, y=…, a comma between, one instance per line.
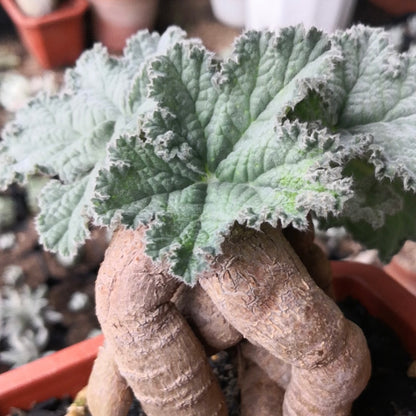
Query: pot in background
x=114, y=21
x=55, y=39
x=402, y=267
x=230, y=12
x=382, y=296
x=328, y=15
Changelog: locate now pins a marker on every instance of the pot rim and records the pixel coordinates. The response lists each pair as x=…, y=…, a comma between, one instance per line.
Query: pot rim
x=61, y=373
x=383, y=297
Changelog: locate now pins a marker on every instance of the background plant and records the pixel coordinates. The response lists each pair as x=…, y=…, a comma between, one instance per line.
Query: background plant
x=25, y=317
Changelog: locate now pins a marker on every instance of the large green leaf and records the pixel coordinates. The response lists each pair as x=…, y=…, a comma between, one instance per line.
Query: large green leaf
x=378, y=91
x=168, y=136
x=374, y=90
x=215, y=152
x=66, y=135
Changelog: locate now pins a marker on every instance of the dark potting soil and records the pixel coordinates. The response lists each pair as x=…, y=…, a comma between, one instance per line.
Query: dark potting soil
x=390, y=391
x=50, y=407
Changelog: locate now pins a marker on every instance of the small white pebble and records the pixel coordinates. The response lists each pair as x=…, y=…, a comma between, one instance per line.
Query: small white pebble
x=7, y=241
x=78, y=302
x=12, y=274
x=94, y=332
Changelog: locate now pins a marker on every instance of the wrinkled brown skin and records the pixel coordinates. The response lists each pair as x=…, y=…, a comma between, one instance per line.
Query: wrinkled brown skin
x=153, y=347
x=210, y=326
x=276, y=370
x=312, y=256
x=260, y=395
x=113, y=396
x=263, y=289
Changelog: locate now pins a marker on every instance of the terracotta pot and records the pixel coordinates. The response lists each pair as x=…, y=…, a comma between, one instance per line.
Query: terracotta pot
x=382, y=296
x=114, y=21
x=403, y=267
x=396, y=7
x=67, y=371
x=56, y=39
x=57, y=375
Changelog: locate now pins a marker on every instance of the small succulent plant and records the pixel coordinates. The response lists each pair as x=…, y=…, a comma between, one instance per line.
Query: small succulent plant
x=24, y=316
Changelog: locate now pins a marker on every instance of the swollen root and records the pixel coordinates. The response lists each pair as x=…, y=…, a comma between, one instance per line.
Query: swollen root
x=108, y=393
x=154, y=348
x=260, y=395
x=331, y=390
x=265, y=292
x=210, y=326
x=277, y=370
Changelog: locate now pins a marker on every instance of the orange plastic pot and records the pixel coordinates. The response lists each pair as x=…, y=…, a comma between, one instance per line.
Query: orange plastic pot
x=56, y=39
x=67, y=371
x=62, y=373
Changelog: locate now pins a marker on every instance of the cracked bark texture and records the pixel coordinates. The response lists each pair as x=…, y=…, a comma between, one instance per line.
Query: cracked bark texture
x=265, y=292
x=154, y=348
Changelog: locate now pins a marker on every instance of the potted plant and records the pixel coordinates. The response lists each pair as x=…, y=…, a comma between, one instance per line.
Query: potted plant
x=114, y=21
x=55, y=39
x=210, y=174
x=36, y=9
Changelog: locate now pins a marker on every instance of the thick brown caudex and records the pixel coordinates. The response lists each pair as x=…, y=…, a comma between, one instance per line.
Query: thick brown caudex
x=154, y=348
x=300, y=355
x=114, y=397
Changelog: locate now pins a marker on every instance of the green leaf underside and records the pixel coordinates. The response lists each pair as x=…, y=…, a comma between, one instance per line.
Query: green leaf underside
x=380, y=212
x=66, y=135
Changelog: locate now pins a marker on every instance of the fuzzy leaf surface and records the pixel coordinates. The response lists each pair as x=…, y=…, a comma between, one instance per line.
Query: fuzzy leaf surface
x=374, y=90
x=66, y=135
x=218, y=143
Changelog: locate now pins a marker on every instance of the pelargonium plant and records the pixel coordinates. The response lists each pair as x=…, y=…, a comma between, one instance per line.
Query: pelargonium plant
x=211, y=171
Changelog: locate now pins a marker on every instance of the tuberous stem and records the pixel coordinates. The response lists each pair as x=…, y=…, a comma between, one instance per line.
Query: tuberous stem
x=108, y=393
x=260, y=395
x=264, y=290
x=154, y=348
